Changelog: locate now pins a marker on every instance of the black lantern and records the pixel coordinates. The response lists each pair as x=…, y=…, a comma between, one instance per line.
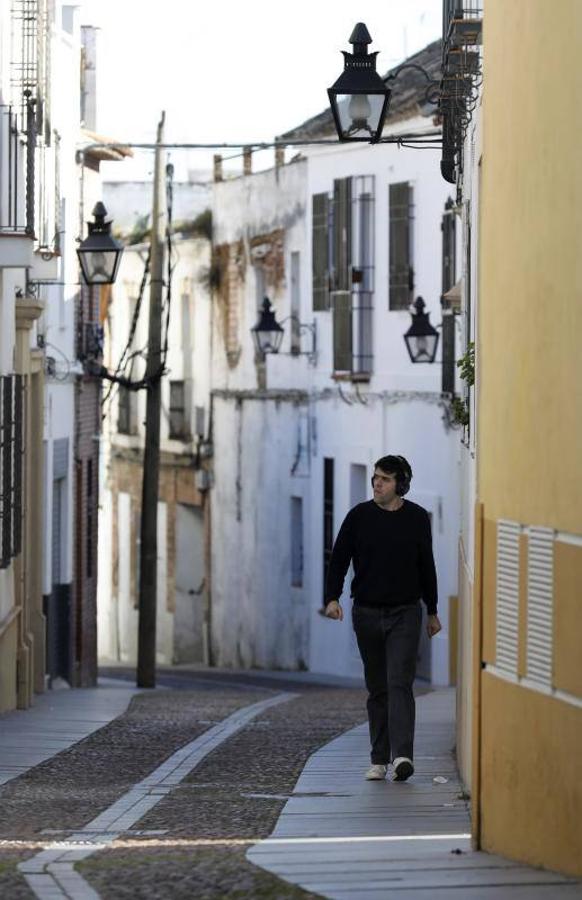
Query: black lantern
x=99, y=254
x=267, y=333
x=359, y=98
x=421, y=338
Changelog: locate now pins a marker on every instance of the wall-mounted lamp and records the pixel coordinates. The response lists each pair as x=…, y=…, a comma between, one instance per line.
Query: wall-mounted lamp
x=99, y=254
x=360, y=97
x=422, y=338
x=268, y=333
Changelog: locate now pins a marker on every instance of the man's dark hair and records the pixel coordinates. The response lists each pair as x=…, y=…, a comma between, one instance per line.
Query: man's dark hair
x=400, y=468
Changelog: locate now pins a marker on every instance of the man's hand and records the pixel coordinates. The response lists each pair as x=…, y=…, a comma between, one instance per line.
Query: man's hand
x=433, y=625
x=333, y=610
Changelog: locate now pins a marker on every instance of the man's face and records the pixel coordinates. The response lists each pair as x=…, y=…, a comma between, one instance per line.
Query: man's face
x=384, y=486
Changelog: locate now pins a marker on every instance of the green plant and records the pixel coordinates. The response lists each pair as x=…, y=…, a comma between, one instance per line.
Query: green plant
x=460, y=410
x=201, y=226
x=467, y=365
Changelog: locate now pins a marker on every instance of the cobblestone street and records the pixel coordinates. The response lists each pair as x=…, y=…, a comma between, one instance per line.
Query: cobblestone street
x=193, y=842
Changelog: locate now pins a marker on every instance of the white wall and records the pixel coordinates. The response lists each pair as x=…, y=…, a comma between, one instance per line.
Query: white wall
x=398, y=411
x=117, y=615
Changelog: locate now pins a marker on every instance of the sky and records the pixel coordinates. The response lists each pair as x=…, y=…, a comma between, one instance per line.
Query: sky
x=233, y=70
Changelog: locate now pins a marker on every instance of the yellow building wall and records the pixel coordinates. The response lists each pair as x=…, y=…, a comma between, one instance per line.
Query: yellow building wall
x=530, y=309
x=8, y=651
x=529, y=435
x=530, y=759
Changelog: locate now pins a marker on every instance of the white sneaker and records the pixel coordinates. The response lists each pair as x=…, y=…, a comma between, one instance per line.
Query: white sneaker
x=403, y=768
x=376, y=773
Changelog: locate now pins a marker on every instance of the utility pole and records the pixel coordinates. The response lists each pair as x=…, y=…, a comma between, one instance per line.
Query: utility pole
x=148, y=566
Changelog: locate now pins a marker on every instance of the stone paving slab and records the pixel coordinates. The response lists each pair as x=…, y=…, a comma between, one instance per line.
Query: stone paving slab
x=57, y=720
x=345, y=838
x=54, y=865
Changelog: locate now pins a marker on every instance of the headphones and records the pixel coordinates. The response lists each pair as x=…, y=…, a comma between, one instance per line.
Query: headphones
x=403, y=474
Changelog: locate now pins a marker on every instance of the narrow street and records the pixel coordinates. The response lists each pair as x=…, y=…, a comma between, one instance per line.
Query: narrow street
x=193, y=843
x=240, y=785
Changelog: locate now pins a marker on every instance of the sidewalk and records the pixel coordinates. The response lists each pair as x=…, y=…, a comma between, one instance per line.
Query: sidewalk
x=57, y=720
x=342, y=837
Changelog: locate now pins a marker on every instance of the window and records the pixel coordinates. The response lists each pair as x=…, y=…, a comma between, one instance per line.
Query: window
x=89, y=547
x=320, y=234
x=353, y=280
x=401, y=285
x=179, y=426
x=200, y=418
x=343, y=246
x=362, y=286
x=296, y=541
x=295, y=303
x=328, y=514
x=11, y=459
x=126, y=411
x=448, y=230
x=342, y=234
x=187, y=337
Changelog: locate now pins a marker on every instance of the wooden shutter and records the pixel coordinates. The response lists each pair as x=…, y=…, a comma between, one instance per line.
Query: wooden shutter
x=342, y=234
x=507, y=596
x=448, y=351
x=448, y=228
x=540, y=605
x=319, y=251
x=6, y=430
x=400, y=250
x=342, y=331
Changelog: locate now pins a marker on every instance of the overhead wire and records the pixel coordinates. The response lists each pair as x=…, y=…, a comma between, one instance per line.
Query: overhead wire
x=124, y=359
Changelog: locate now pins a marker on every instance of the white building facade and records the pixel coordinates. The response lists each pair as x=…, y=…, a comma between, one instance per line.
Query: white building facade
x=40, y=205
x=342, y=240
x=182, y=613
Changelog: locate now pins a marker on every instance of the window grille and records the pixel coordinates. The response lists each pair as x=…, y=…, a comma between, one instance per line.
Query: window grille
x=12, y=451
x=179, y=428
x=401, y=286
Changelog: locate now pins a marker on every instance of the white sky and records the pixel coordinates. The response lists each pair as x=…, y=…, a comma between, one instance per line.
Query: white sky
x=233, y=70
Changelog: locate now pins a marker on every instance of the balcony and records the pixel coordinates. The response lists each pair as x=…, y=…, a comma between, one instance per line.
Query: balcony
x=461, y=72
x=17, y=166
x=462, y=22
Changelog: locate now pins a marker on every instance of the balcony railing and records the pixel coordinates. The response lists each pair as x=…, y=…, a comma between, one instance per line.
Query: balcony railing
x=17, y=173
x=11, y=466
x=462, y=21
x=461, y=68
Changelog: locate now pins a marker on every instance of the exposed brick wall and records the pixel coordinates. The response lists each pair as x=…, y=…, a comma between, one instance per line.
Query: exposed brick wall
x=86, y=488
x=230, y=262
x=176, y=486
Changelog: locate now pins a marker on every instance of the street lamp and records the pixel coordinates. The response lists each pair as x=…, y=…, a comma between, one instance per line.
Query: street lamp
x=267, y=333
x=359, y=98
x=99, y=254
x=421, y=338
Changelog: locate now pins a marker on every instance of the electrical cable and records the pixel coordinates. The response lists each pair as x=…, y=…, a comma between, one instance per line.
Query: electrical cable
x=171, y=263
x=124, y=359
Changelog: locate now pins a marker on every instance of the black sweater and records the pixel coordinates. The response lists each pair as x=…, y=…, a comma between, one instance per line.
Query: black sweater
x=391, y=553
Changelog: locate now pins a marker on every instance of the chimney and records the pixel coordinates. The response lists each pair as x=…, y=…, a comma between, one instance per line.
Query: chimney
x=217, y=167
x=247, y=161
x=279, y=157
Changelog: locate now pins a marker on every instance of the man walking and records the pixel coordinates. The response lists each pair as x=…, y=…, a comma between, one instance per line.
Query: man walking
x=389, y=541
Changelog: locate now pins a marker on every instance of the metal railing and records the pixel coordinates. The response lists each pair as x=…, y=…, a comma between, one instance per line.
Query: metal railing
x=460, y=9
x=461, y=78
x=11, y=466
x=17, y=173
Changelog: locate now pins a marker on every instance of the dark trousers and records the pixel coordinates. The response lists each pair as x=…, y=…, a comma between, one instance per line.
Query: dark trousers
x=388, y=644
